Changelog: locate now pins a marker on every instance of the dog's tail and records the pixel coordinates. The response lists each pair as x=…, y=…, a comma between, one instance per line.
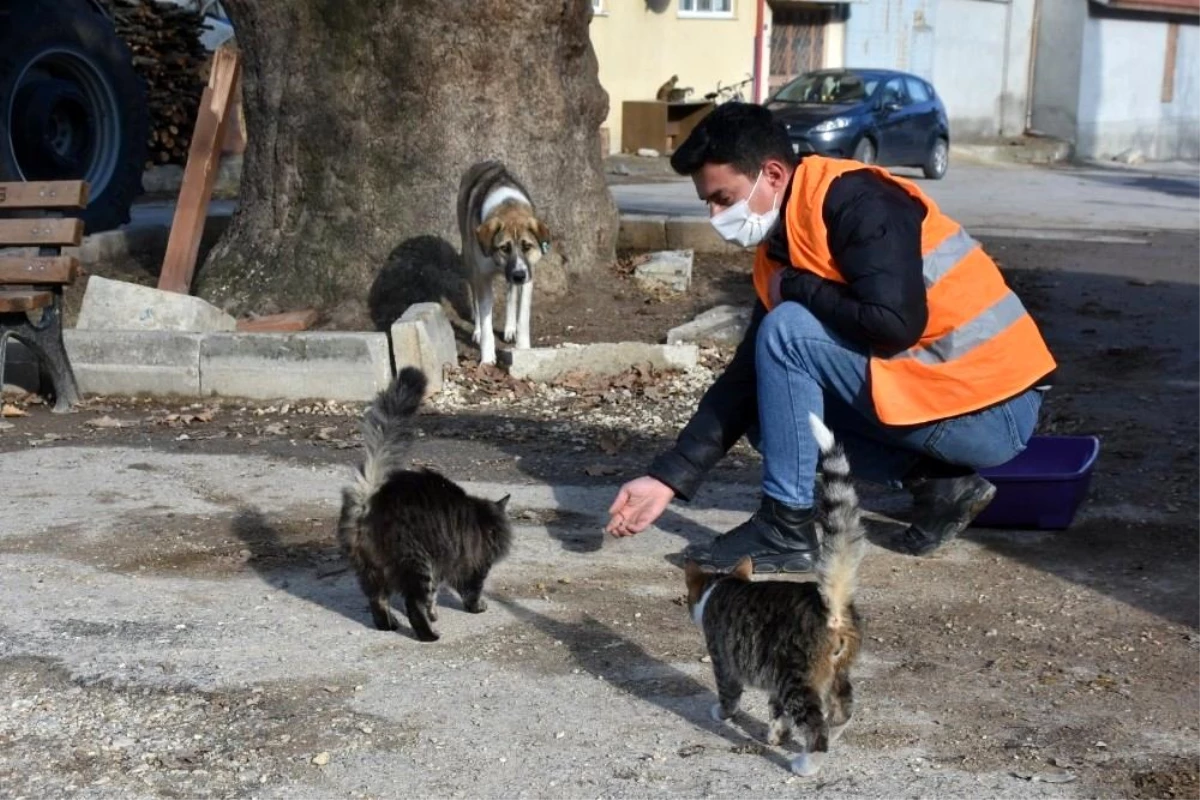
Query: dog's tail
x=843, y=538
x=383, y=445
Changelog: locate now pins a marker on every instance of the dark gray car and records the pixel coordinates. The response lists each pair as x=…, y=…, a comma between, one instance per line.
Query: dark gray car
x=876, y=116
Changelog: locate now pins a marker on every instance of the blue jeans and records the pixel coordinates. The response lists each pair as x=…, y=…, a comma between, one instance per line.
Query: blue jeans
x=802, y=366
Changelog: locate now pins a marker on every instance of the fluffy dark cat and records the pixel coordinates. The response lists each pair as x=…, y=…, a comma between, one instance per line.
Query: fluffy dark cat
x=407, y=532
x=795, y=640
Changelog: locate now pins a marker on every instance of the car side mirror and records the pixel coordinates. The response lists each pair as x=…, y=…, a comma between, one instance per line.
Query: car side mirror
x=891, y=107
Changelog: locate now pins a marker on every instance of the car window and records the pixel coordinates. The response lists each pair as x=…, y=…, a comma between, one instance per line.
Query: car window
x=828, y=88
x=917, y=90
x=893, y=92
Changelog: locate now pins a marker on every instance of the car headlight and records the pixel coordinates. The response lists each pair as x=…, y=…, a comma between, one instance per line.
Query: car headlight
x=835, y=124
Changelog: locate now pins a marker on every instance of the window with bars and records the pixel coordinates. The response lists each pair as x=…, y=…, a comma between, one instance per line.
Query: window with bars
x=706, y=8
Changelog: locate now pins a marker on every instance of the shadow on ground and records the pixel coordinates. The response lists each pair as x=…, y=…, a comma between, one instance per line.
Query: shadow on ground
x=625, y=665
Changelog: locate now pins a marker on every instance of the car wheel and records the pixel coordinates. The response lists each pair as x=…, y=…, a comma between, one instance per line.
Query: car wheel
x=938, y=160
x=864, y=151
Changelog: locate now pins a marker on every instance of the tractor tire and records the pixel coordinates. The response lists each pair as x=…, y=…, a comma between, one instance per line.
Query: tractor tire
x=71, y=105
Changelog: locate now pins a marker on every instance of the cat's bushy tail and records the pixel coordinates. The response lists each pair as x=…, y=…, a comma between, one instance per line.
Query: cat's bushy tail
x=383, y=444
x=844, y=540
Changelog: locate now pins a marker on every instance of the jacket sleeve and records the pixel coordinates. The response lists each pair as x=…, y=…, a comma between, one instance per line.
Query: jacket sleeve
x=725, y=413
x=874, y=230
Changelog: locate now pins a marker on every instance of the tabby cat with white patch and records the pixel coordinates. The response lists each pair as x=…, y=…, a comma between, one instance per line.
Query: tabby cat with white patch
x=797, y=641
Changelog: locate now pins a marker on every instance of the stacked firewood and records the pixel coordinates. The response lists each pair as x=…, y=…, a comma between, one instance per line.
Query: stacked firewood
x=167, y=53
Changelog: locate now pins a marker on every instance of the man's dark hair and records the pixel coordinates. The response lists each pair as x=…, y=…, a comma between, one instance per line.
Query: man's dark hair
x=743, y=135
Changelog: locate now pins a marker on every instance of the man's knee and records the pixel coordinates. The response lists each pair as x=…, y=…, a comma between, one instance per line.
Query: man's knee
x=786, y=325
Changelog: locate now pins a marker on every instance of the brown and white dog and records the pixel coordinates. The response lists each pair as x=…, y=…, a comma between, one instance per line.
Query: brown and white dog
x=500, y=234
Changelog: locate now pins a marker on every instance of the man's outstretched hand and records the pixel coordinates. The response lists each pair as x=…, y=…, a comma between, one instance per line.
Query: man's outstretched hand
x=638, y=504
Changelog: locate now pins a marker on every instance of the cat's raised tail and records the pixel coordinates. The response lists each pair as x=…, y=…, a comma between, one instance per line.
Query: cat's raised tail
x=843, y=540
x=384, y=447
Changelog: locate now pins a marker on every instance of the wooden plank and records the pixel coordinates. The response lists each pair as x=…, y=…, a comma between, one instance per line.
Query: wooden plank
x=44, y=194
x=24, y=300
x=46, y=232
x=200, y=174
x=280, y=323
x=1169, y=61
x=35, y=270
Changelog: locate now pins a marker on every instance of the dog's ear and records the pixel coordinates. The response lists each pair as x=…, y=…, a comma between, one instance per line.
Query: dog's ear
x=543, y=235
x=502, y=503
x=487, y=232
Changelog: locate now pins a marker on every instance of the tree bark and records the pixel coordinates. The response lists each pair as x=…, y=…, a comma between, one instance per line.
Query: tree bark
x=362, y=116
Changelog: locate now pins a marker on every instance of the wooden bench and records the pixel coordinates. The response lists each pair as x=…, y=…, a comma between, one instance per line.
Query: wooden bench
x=31, y=287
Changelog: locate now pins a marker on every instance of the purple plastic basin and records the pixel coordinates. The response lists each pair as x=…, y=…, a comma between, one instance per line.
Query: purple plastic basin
x=1043, y=487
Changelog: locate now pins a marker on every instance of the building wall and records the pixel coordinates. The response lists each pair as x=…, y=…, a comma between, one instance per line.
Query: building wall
x=969, y=65
x=639, y=48
x=884, y=34
x=835, y=44
x=975, y=52
x=1058, y=68
x=1121, y=99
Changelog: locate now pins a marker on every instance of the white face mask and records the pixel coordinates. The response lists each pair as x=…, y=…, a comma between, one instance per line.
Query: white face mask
x=740, y=225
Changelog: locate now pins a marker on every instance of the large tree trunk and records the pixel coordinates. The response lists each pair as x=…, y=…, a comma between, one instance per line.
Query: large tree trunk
x=362, y=116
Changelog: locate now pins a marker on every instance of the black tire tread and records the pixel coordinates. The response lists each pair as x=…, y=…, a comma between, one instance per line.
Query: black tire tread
x=28, y=27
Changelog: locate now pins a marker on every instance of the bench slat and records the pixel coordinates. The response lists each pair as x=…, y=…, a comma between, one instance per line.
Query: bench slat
x=41, y=232
x=24, y=300
x=51, y=269
x=44, y=194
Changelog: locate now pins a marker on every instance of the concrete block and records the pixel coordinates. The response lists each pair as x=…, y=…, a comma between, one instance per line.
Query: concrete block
x=135, y=362
x=696, y=234
x=162, y=179
x=669, y=268
x=607, y=358
x=412, y=346
x=719, y=325
x=166, y=179
x=642, y=233
x=295, y=366
x=229, y=177
x=438, y=328
x=110, y=305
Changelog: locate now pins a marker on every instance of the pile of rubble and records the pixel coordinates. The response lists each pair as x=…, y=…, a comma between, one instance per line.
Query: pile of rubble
x=641, y=400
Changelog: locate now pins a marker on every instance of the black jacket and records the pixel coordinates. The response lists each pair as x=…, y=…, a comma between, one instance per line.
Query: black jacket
x=875, y=237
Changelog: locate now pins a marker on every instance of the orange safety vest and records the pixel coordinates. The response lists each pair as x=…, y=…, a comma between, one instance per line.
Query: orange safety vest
x=979, y=346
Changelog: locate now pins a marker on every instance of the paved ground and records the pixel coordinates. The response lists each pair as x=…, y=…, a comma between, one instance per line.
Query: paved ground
x=178, y=622
x=1070, y=202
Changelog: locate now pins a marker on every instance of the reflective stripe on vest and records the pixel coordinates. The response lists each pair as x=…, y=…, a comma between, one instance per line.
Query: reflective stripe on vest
x=946, y=256
x=971, y=334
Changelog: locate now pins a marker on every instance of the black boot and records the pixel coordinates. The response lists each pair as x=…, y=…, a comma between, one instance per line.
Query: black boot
x=777, y=539
x=942, y=509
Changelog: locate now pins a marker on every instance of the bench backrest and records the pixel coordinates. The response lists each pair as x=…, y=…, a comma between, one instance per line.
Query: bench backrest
x=47, y=233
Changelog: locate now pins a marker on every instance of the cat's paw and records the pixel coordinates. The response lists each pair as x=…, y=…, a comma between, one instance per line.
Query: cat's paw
x=835, y=732
x=510, y=334
x=477, y=607
x=718, y=714
x=778, y=733
x=807, y=764
x=432, y=613
x=387, y=623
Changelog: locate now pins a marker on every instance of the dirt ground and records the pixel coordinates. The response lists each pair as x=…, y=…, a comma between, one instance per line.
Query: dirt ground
x=179, y=622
